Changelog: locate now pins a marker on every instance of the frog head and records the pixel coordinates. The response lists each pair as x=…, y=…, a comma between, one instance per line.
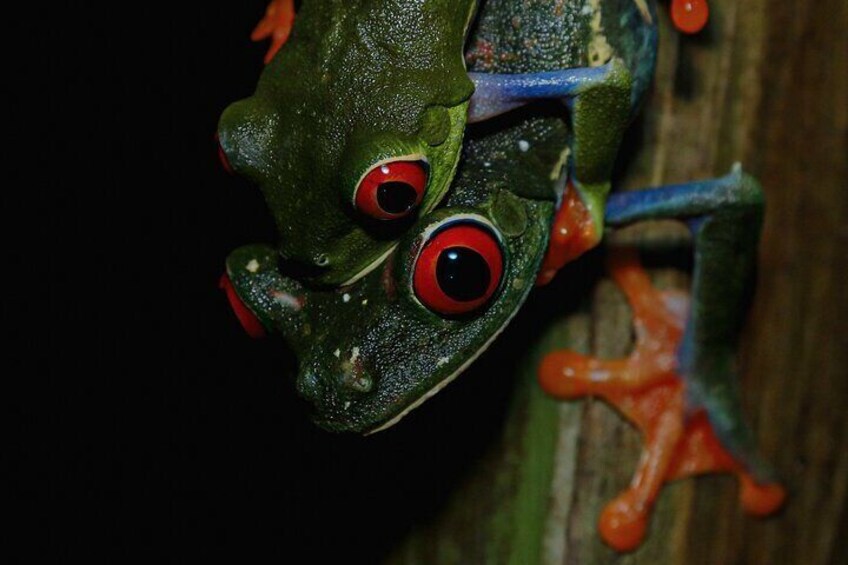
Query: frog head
x=355, y=129
x=370, y=352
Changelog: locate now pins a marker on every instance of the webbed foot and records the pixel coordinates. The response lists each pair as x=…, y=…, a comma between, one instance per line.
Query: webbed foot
x=277, y=24
x=647, y=389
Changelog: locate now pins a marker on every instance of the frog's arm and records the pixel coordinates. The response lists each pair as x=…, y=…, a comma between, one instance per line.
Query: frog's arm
x=679, y=386
x=497, y=94
x=600, y=104
x=276, y=25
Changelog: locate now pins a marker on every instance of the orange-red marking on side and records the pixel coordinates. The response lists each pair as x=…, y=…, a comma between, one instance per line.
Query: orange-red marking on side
x=277, y=24
x=222, y=157
x=248, y=319
x=646, y=389
x=572, y=234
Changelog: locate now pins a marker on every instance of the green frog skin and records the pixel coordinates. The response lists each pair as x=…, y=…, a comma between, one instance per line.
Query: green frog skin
x=384, y=312
x=384, y=85
x=377, y=83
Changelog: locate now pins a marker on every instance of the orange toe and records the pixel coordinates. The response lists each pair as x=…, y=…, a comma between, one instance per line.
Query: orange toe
x=623, y=524
x=565, y=375
x=277, y=24
x=646, y=388
x=760, y=500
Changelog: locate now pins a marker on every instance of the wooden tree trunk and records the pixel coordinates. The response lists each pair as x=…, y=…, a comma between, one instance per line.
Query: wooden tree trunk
x=766, y=86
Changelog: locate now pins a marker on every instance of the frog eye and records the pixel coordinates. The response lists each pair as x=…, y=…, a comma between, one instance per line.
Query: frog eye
x=391, y=190
x=458, y=269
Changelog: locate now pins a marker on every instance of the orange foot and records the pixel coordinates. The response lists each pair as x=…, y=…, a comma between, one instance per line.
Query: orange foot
x=277, y=24
x=648, y=391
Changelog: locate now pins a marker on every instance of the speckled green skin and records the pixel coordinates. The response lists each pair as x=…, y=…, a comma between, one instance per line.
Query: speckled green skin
x=358, y=81
x=370, y=351
x=361, y=81
x=547, y=35
x=514, y=37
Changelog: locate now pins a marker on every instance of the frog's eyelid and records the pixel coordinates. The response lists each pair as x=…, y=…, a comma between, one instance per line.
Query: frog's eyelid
x=430, y=230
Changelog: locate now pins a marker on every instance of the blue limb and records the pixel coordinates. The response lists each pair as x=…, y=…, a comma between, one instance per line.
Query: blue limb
x=497, y=94
x=691, y=201
x=724, y=216
x=600, y=107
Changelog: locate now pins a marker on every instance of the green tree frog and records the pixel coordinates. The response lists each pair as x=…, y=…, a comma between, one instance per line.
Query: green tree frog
x=409, y=239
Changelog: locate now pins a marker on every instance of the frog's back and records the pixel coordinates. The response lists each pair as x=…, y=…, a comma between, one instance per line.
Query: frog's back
x=547, y=35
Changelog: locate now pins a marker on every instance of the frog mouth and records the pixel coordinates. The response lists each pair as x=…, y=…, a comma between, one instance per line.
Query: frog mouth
x=446, y=381
x=376, y=263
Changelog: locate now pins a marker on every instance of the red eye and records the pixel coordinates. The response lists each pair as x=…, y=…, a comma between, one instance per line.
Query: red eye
x=459, y=269
x=392, y=190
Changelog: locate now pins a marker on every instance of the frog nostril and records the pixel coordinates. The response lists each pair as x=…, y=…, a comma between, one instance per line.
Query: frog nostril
x=299, y=270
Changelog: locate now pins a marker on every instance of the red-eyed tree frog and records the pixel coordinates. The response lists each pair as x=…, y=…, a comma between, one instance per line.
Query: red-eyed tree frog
x=410, y=237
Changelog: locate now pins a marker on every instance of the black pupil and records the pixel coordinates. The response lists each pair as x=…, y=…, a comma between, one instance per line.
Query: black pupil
x=463, y=274
x=396, y=197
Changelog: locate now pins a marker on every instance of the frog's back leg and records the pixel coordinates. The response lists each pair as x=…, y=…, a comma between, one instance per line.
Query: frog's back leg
x=725, y=217
x=679, y=386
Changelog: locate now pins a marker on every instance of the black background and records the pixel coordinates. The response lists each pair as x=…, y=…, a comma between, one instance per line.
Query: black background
x=152, y=424
x=146, y=425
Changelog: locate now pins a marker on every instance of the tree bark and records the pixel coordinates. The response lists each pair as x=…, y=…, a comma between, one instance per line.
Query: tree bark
x=764, y=85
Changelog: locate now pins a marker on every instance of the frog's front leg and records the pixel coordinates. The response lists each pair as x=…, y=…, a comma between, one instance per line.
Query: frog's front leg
x=678, y=386
x=277, y=25
x=599, y=100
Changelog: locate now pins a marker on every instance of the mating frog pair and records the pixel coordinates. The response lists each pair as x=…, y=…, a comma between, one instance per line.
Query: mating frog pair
x=410, y=236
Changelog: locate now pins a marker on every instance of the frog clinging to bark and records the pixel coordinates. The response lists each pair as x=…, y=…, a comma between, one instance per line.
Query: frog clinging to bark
x=410, y=237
